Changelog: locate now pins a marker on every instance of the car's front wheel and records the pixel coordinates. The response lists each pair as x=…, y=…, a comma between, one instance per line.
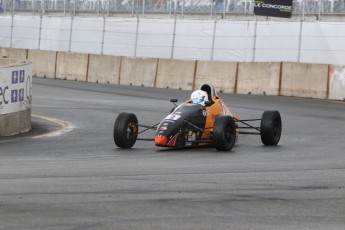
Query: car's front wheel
x=125, y=130
x=224, y=133
x=271, y=127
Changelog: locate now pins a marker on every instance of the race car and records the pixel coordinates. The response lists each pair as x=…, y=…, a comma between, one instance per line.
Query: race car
x=202, y=120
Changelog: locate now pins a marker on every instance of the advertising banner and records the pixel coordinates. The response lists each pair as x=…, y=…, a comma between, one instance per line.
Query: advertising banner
x=273, y=8
x=15, y=88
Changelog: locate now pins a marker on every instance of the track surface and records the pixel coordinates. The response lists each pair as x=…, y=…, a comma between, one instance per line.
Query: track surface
x=80, y=180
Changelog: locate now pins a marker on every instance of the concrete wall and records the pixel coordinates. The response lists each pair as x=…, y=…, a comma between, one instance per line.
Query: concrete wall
x=43, y=63
x=337, y=83
x=104, y=69
x=14, y=123
x=304, y=80
x=220, y=74
x=138, y=71
x=19, y=54
x=72, y=66
x=175, y=74
x=258, y=78
x=286, y=79
x=7, y=61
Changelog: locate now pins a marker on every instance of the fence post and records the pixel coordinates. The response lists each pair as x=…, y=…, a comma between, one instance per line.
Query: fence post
x=173, y=38
x=40, y=32
x=214, y=38
x=103, y=35
x=136, y=37
x=300, y=31
x=12, y=22
x=70, y=34
x=254, y=38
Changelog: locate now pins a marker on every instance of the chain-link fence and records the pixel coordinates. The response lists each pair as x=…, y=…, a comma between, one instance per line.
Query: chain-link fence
x=181, y=8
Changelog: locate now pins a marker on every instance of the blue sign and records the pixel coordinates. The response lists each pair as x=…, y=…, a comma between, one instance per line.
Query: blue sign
x=21, y=94
x=21, y=76
x=14, y=95
x=15, y=77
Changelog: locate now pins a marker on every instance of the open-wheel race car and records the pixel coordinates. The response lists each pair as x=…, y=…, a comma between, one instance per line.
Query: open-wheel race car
x=203, y=120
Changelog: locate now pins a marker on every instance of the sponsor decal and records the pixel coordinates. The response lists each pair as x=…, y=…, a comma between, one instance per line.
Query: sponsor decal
x=204, y=113
x=173, y=117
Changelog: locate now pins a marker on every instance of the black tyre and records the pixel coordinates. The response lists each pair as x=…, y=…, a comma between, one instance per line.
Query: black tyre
x=125, y=130
x=271, y=127
x=224, y=133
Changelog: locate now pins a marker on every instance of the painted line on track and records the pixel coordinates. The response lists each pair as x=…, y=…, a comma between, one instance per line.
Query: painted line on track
x=65, y=127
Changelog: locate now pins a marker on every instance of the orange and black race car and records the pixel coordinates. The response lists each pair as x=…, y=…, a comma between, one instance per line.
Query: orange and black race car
x=203, y=120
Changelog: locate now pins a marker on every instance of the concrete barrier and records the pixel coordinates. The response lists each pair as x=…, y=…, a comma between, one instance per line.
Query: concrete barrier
x=337, y=83
x=104, y=69
x=304, y=80
x=15, y=96
x=175, y=74
x=15, y=123
x=19, y=54
x=43, y=63
x=222, y=75
x=138, y=71
x=72, y=66
x=258, y=78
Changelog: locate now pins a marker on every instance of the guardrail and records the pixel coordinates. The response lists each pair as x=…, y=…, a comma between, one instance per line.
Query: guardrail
x=182, y=8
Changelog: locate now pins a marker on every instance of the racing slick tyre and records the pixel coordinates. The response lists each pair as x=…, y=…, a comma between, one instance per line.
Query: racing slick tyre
x=270, y=127
x=125, y=130
x=224, y=133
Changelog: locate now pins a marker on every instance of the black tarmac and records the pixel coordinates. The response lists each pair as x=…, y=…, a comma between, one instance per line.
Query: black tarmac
x=68, y=174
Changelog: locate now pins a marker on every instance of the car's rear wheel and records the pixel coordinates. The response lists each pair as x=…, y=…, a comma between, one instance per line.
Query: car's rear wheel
x=125, y=130
x=271, y=127
x=224, y=133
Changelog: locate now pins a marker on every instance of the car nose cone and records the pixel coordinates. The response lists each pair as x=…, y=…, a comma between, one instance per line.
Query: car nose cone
x=161, y=141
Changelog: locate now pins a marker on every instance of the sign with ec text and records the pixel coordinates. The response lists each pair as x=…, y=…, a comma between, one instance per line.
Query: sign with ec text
x=15, y=89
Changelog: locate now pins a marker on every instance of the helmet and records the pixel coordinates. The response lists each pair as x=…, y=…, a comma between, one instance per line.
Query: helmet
x=199, y=97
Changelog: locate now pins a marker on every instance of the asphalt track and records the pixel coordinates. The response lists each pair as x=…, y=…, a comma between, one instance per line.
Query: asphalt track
x=68, y=174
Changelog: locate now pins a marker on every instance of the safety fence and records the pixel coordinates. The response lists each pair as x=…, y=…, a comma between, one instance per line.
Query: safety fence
x=218, y=40
x=181, y=8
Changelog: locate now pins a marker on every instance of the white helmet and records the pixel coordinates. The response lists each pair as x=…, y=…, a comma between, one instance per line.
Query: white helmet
x=199, y=97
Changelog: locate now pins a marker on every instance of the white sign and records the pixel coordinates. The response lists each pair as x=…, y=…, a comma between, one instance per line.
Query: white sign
x=15, y=88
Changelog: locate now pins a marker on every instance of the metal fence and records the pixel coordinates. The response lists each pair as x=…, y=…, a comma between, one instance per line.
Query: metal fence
x=181, y=8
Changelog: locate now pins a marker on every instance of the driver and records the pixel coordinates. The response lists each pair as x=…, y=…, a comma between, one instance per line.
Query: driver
x=199, y=97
